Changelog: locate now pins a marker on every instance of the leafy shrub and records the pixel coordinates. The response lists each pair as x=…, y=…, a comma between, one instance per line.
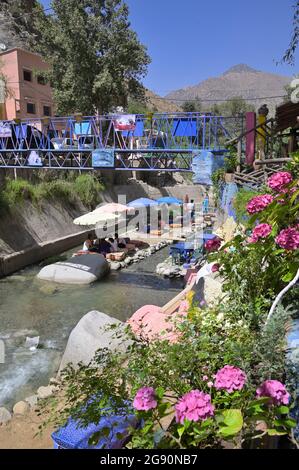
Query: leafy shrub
x=240, y=202
x=88, y=189
x=84, y=187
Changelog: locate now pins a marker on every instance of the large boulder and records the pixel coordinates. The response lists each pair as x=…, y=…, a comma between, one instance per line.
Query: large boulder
x=93, y=332
x=80, y=269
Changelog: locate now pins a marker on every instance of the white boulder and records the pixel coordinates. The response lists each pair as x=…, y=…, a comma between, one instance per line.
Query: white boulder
x=21, y=408
x=90, y=334
x=5, y=416
x=83, y=269
x=32, y=400
x=46, y=392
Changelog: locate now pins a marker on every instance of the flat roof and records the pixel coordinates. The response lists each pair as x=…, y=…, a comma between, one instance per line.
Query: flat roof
x=13, y=49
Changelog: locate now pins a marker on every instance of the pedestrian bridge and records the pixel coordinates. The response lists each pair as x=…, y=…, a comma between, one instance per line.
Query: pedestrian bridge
x=152, y=142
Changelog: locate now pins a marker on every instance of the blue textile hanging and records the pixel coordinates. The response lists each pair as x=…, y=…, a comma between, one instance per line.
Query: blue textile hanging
x=184, y=127
x=204, y=164
x=229, y=192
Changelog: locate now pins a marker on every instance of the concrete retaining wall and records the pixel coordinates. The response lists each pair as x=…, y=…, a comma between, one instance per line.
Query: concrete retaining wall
x=18, y=260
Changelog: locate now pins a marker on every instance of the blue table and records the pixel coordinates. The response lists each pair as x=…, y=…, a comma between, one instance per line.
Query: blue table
x=207, y=236
x=182, y=250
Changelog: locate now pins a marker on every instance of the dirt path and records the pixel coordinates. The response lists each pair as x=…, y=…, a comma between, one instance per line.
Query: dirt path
x=20, y=433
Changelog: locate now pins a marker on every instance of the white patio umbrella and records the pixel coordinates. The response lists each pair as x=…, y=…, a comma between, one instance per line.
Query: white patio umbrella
x=96, y=217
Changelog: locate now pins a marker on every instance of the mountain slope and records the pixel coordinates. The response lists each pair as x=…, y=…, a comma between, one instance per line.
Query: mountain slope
x=239, y=80
x=161, y=105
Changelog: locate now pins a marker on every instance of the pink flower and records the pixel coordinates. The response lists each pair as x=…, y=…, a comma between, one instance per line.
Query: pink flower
x=278, y=181
x=230, y=378
x=215, y=267
x=213, y=245
x=259, y=203
x=288, y=239
x=194, y=406
x=251, y=240
x=210, y=384
x=275, y=390
x=145, y=399
x=205, y=378
x=261, y=231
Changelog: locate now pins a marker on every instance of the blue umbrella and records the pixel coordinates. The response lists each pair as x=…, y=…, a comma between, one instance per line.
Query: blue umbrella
x=169, y=200
x=142, y=202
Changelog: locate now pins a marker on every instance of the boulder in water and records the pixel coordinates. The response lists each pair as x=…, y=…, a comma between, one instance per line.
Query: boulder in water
x=93, y=332
x=80, y=269
x=5, y=416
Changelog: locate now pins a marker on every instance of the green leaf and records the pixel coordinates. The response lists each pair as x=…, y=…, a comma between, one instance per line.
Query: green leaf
x=105, y=431
x=290, y=423
x=160, y=392
x=283, y=410
x=274, y=432
x=287, y=277
x=181, y=430
x=94, y=439
x=233, y=421
x=147, y=428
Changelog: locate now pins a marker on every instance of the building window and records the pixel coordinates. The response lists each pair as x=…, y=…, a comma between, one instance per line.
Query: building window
x=41, y=80
x=47, y=110
x=27, y=75
x=30, y=108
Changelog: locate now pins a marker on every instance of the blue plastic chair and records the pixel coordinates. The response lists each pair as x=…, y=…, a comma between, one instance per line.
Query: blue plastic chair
x=72, y=436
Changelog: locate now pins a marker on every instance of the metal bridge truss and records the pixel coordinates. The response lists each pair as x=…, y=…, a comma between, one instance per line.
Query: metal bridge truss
x=158, y=142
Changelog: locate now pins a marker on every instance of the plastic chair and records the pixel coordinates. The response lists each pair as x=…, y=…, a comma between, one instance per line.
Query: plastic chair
x=72, y=436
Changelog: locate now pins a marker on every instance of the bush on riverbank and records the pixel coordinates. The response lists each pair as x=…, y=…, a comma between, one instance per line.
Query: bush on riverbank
x=85, y=188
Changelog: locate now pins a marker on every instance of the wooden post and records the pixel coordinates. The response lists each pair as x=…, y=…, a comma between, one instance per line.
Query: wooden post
x=239, y=155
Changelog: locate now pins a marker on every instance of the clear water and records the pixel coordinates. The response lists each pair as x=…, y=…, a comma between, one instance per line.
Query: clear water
x=30, y=307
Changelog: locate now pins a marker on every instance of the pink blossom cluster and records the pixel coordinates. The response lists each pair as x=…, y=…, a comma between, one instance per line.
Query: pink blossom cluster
x=145, y=399
x=215, y=268
x=230, y=379
x=213, y=245
x=275, y=390
x=259, y=203
x=260, y=231
x=280, y=180
x=194, y=406
x=288, y=239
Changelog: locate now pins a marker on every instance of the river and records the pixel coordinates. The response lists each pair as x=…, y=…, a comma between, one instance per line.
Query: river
x=30, y=307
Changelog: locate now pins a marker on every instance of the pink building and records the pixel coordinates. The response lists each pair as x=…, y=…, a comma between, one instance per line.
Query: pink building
x=32, y=97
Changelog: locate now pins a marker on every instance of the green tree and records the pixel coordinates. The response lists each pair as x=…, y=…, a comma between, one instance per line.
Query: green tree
x=192, y=106
x=96, y=59
x=18, y=22
x=289, y=55
x=235, y=106
x=136, y=107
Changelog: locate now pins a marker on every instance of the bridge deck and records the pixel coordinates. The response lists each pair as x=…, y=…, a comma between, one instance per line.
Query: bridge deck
x=141, y=142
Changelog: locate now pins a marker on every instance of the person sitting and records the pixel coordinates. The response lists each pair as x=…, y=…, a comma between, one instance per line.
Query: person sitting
x=104, y=247
x=88, y=244
x=113, y=245
x=121, y=242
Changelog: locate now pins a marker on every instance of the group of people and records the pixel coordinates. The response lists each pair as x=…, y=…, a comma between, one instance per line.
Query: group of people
x=190, y=206
x=104, y=246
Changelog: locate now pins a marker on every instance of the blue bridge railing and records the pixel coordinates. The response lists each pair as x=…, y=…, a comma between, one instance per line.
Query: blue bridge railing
x=147, y=142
